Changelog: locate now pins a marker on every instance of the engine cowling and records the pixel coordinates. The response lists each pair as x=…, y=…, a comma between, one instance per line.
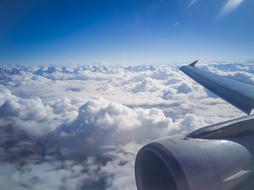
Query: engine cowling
x=180, y=163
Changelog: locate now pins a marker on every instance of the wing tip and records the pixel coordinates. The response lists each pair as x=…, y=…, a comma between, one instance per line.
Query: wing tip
x=193, y=64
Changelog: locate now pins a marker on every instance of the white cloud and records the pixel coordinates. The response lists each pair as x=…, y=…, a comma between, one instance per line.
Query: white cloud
x=230, y=6
x=192, y=2
x=33, y=115
x=51, y=175
x=102, y=123
x=191, y=122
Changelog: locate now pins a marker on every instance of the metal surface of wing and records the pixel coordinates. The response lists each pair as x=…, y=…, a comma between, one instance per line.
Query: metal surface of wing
x=239, y=94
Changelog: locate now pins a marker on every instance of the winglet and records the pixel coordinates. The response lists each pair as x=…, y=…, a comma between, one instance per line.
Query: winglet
x=193, y=63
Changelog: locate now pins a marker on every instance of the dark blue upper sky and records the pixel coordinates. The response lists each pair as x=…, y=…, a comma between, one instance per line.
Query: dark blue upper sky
x=125, y=31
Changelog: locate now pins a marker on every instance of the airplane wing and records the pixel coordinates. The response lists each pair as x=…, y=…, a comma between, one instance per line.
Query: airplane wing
x=239, y=94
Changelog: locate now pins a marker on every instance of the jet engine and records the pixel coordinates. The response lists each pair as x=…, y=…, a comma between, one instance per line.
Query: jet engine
x=217, y=157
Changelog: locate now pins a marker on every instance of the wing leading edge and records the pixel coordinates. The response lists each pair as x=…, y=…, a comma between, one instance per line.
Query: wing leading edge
x=239, y=94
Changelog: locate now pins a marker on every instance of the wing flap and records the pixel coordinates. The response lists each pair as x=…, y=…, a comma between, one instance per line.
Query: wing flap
x=239, y=94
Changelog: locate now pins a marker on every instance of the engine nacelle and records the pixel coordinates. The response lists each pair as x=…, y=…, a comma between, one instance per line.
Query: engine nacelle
x=181, y=163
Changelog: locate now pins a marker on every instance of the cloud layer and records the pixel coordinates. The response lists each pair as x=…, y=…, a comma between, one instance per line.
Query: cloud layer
x=80, y=127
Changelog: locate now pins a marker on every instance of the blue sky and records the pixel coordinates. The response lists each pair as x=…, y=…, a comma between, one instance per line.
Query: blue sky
x=125, y=31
